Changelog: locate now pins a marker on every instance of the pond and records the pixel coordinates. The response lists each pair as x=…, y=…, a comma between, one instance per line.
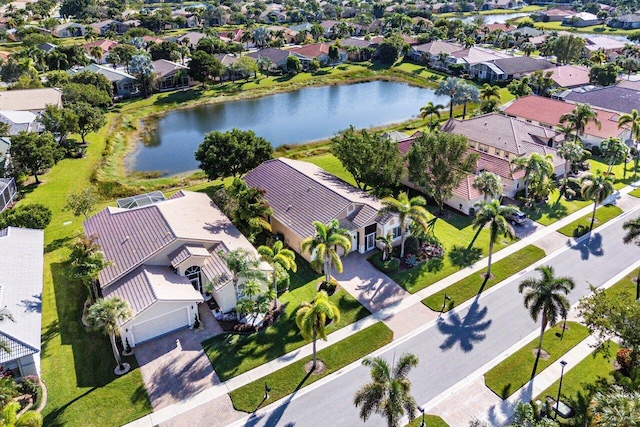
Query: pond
x=494, y=19
x=288, y=118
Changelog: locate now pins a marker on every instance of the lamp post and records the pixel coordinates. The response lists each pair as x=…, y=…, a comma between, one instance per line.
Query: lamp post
x=563, y=363
x=444, y=302
x=421, y=409
x=267, y=389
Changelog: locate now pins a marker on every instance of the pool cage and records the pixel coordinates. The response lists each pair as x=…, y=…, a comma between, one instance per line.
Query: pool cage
x=141, y=200
x=8, y=191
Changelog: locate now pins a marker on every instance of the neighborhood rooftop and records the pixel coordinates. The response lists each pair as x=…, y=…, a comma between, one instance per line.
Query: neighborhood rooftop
x=30, y=99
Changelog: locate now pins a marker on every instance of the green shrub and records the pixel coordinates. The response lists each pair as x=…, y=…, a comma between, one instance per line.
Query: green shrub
x=388, y=266
x=282, y=279
x=411, y=245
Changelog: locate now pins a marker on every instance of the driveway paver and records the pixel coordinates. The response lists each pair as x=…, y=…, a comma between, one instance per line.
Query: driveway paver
x=175, y=366
x=216, y=413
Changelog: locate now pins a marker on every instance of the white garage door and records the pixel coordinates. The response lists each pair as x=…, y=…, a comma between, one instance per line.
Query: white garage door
x=164, y=324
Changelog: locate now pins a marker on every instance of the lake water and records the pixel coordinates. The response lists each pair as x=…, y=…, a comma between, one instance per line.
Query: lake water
x=287, y=118
x=494, y=19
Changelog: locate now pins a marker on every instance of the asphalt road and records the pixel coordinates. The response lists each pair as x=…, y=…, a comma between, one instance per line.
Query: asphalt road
x=463, y=341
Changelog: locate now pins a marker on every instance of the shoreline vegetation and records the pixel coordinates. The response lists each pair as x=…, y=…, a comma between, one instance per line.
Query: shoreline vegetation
x=129, y=121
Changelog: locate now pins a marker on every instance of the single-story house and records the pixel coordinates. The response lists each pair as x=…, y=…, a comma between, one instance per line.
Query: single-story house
x=547, y=112
x=581, y=19
x=33, y=100
x=103, y=27
x=70, y=29
x=8, y=190
x=628, y=22
x=569, y=76
x=19, y=121
x=124, y=85
x=474, y=55
x=555, y=14
x=508, y=137
x=429, y=52
x=105, y=45
x=605, y=44
x=277, y=56
x=300, y=193
x=319, y=51
x=190, y=39
x=169, y=77
x=507, y=68
x=611, y=98
x=21, y=276
x=357, y=48
x=162, y=254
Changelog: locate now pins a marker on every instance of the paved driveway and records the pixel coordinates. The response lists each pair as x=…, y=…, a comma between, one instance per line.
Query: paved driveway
x=175, y=366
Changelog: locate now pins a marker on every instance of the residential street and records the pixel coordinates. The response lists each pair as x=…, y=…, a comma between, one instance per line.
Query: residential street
x=462, y=341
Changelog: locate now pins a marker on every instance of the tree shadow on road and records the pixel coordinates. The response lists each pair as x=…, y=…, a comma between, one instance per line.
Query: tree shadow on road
x=589, y=246
x=465, y=332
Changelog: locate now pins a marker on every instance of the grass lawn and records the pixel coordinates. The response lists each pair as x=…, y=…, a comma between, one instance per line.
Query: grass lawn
x=625, y=288
x=332, y=165
x=622, y=179
x=470, y=286
x=77, y=365
x=429, y=420
x=635, y=193
x=593, y=29
x=233, y=354
x=580, y=226
x=292, y=378
x=556, y=208
x=576, y=383
x=515, y=371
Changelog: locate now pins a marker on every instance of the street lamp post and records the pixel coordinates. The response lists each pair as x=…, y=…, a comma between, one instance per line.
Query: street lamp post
x=421, y=409
x=563, y=363
x=444, y=302
x=267, y=389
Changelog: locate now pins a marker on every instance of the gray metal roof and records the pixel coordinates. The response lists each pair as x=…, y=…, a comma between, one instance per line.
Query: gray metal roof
x=521, y=64
x=21, y=275
x=613, y=98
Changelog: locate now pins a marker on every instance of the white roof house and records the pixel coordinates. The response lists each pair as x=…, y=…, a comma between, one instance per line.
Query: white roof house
x=20, y=121
x=33, y=100
x=21, y=275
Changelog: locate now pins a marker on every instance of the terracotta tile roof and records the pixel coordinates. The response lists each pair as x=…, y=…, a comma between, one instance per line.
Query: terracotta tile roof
x=570, y=75
x=506, y=133
x=311, y=50
x=106, y=45
x=466, y=190
x=548, y=112
x=435, y=47
x=300, y=193
x=498, y=165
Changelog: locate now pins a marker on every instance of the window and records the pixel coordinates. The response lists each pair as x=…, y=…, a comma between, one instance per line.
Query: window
x=193, y=274
x=396, y=232
x=497, y=152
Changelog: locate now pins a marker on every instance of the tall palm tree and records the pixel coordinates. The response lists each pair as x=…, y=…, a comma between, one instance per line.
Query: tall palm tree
x=546, y=297
x=493, y=214
x=489, y=184
x=570, y=151
x=537, y=167
x=596, y=187
x=407, y=208
x=617, y=407
x=10, y=417
x=614, y=150
x=429, y=110
x=488, y=92
x=632, y=227
x=242, y=264
x=105, y=316
x=312, y=317
x=278, y=255
x=634, y=120
x=389, y=392
x=580, y=117
x=328, y=237
x=87, y=260
x=451, y=87
x=470, y=93
x=97, y=53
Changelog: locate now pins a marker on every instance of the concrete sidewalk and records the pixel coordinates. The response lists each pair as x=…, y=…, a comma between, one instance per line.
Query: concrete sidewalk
x=397, y=312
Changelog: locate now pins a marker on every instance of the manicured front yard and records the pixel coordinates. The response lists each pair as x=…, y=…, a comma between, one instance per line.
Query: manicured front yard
x=576, y=382
x=77, y=365
x=293, y=377
x=515, y=371
x=554, y=209
x=429, y=420
x=469, y=287
x=581, y=226
x=232, y=354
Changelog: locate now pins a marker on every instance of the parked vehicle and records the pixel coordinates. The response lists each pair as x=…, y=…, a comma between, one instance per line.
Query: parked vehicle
x=517, y=218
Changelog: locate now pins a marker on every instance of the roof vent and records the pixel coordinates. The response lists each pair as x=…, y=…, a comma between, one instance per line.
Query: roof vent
x=125, y=240
x=308, y=188
x=288, y=207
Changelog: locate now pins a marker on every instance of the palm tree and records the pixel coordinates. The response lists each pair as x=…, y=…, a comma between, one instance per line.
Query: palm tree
x=105, y=316
x=536, y=168
x=598, y=57
x=596, y=187
x=581, y=115
x=489, y=184
x=617, y=407
x=570, y=151
x=493, y=213
x=10, y=417
x=242, y=264
x=312, y=317
x=614, y=150
x=527, y=48
x=429, y=110
x=87, y=260
x=634, y=120
x=407, y=208
x=488, y=92
x=451, y=87
x=323, y=244
x=278, y=255
x=389, y=392
x=387, y=245
x=470, y=93
x=546, y=297
x=97, y=53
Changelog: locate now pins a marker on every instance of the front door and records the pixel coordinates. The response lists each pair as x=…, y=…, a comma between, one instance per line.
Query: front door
x=370, y=241
x=354, y=241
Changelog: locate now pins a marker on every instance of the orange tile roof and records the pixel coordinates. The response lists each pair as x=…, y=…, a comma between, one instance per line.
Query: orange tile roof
x=312, y=50
x=548, y=111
